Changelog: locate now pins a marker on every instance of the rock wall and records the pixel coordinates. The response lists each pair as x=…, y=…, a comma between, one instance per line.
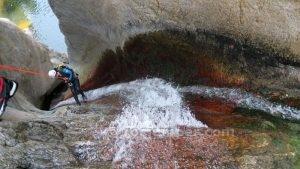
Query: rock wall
x=21, y=51
x=92, y=26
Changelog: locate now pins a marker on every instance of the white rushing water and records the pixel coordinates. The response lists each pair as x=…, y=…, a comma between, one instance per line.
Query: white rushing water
x=238, y=96
x=153, y=105
x=245, y=100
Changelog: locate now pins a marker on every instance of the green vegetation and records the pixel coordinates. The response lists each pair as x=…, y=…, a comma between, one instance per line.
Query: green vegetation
x=14, y=9
x=285, y=134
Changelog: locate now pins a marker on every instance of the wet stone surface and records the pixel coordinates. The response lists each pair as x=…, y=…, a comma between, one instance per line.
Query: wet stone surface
x=48, y=142
x=78, y=136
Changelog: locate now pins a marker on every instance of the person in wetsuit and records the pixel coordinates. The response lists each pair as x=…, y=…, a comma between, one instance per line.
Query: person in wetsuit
x=71, y=78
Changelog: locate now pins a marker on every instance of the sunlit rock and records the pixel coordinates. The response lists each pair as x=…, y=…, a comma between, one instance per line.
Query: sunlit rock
x=93, y=26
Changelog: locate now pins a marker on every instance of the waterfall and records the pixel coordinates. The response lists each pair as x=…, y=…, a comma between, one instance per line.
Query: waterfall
x=154, y=106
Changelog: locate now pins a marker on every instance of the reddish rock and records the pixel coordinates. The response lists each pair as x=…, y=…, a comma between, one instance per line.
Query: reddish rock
x=202, y=149
x=215, y=112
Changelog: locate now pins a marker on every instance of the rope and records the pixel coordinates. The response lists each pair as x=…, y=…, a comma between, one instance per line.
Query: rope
x=23, y=71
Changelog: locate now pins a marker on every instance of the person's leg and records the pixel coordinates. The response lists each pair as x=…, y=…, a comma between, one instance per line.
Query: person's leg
x=77, y=84
x=74, y=92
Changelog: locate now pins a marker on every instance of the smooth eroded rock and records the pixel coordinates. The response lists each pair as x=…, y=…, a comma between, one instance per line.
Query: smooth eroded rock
x=93, y=26
x=22, y=51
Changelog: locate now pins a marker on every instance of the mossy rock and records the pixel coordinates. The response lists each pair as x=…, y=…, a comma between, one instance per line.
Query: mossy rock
x=294, y=126
x=268, y=125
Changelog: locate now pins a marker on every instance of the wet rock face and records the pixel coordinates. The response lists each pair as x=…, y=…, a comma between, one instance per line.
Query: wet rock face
x=77, y=137
x=21, y=51
x=92, y=27
x=188, y=58
x=35, y=144
x=55, y=141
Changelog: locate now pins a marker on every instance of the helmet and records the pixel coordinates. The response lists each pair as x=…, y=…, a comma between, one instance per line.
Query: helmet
x=52, y=73
x=60, y=66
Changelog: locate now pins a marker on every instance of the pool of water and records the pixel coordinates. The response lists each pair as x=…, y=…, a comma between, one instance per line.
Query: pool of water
x=37, y=17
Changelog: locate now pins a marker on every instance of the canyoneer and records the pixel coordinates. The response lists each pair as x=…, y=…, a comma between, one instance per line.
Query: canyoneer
x=71, y=78
x=8, y=88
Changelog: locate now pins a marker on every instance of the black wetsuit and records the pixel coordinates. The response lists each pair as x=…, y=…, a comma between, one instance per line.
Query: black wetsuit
x=73, y=83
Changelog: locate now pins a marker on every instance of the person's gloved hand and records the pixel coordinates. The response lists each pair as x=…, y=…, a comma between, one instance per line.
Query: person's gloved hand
x=66, y=80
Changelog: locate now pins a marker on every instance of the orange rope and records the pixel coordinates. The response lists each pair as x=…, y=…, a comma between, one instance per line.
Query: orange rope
x=23, y=71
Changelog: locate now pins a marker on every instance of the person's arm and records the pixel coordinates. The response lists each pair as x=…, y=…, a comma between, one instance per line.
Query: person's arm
x=59, y=76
